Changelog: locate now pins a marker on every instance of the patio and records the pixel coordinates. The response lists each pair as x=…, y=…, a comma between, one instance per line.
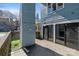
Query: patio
x=46, y=48
x=60, y=49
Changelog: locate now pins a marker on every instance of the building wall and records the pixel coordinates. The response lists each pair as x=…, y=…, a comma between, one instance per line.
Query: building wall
x=70, y=11
x=44, y=11
x=43, y=15
x=6, y=24
x=5, y=20
x=28, y=24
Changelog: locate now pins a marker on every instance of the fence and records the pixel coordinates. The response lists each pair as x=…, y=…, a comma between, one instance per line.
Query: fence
x=5, y=44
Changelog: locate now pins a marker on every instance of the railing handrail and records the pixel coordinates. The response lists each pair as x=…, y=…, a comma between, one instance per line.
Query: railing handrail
x=5, y=44
x=3, y=39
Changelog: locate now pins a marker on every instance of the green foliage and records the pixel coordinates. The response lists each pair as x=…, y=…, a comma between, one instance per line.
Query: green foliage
x=15, y=43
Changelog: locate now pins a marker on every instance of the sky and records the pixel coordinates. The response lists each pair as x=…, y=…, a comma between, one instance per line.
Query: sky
x=15, y=7
x=38, y=9
x=12, y=7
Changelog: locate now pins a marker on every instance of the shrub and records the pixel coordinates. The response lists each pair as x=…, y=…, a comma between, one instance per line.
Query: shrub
x=15, y=43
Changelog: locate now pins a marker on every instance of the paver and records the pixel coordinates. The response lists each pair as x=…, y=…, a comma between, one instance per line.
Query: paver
x=63, y=50
x=47, y=48
x=19, y=52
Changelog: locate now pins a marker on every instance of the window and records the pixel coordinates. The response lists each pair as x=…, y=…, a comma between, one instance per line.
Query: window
x=49, y=4
x=54, y=6
x=61, y=33
x=49, y=8
x=60, y=5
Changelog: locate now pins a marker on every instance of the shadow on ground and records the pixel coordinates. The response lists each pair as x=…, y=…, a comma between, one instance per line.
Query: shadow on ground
x=37, y=50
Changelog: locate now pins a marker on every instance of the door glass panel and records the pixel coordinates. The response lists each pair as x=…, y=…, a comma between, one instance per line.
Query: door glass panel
x=50, y=33
x=72, y=36
x=60, y=34
x=45, y=34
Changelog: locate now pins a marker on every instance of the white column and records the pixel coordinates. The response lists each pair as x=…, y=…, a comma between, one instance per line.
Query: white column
x=28, y=24
x=54, y=33
x=41, y=30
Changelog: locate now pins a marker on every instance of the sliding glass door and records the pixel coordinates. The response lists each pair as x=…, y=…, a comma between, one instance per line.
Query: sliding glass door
x=60, y=34
x=72, y=35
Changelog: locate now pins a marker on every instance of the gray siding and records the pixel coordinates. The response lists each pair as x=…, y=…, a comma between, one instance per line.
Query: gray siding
x=28, y=24
x=70, y=11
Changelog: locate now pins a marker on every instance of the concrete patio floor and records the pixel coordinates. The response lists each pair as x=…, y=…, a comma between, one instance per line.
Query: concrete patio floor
x=57, y=48
x=19, y=52
x=46, y=48
x=38, y=50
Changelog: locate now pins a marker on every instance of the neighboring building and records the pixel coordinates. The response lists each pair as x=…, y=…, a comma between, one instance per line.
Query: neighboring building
x=27, y=24
x=60, y=23
x=6, y=21
x=17, y=23
x=38, y=27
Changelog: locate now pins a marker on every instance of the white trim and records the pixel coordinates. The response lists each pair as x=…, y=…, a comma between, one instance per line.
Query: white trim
x=54, y=37
x=21, y=24
x=70, y=21
x=56, y=6
x=63, y=22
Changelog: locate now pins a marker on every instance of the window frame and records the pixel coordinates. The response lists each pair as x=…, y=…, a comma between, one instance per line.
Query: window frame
x=48, y=8
x=53, y=8
x=58, y=7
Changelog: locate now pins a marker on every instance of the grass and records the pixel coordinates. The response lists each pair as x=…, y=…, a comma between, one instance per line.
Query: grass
x=15, y=43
